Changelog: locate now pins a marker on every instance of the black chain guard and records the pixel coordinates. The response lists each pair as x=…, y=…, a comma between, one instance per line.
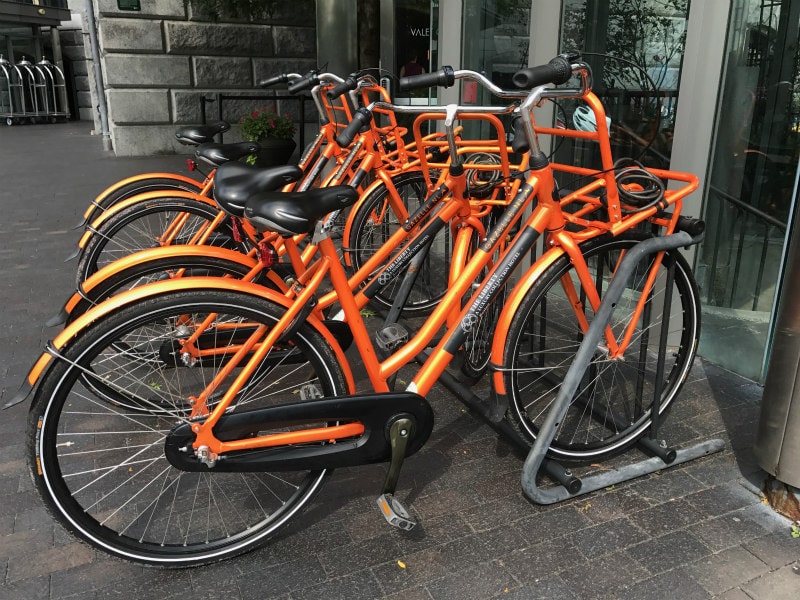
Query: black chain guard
x=375, y=411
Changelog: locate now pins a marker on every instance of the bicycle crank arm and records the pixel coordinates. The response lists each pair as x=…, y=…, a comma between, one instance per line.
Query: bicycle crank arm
x=376, y=412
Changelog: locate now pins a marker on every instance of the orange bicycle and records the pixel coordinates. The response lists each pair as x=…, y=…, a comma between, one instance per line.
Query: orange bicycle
x=179, y=219
x=212, y=155
x=130, y=215
x=236, y=402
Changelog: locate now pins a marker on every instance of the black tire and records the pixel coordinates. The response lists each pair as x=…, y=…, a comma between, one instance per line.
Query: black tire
x=159, y=269
x=139, y=226
x=151, y=184
x=477, y=349
x=100, y=467
x=612, y=405
x=374, y=222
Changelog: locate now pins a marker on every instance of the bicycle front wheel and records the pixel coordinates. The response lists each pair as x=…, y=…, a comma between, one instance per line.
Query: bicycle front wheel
x=612, y=406
x=376, y=219
x=102, y=411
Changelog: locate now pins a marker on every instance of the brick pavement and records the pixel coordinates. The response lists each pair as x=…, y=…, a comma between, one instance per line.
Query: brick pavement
x=695, y=531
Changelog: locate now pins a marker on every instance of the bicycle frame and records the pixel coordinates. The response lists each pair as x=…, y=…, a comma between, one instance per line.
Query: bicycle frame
x=96, y=214
x=273, y=391
x=547, y=219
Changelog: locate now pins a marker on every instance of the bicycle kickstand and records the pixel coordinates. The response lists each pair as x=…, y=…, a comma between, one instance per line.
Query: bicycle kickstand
x=400, y=434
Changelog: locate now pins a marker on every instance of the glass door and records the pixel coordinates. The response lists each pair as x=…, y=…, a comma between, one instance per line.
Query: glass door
x=496, y=37
x=413, y=33
x=750, y=190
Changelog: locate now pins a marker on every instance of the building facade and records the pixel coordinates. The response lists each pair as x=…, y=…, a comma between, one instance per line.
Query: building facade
x=709, y=87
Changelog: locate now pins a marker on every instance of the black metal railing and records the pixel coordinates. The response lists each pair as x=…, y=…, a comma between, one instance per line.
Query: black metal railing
x=736, y=252
x=220, y=100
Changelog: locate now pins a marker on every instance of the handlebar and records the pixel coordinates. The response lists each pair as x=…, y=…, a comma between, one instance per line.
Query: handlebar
x=447, y=76
x=444, y=77
x=361, y=119
x=519, y=143
x=276, y=79
x=533, y=80
x=557, y=71
x=306, y=82
x=348, y=85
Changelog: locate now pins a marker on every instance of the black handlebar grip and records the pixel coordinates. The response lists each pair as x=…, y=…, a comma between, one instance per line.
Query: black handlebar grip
x=274, y=80
x=361, y=119
x=350, y=83
x=519, y=143
x=306, y=82
x=690, y=225
x=557, y=71
x=444, y=77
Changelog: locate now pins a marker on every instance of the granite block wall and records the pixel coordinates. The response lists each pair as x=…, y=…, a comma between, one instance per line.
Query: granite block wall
x=159, y=62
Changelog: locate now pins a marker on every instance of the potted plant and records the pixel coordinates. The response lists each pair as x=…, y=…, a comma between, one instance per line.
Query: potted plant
x=273, y=132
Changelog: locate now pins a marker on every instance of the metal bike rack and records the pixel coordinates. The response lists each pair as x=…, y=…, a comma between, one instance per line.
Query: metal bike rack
x=570, y=486
x=664, y=457
x=12, y=98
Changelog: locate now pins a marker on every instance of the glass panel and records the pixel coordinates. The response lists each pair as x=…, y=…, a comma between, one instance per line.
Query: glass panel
x=495, y=40
x=412, y=40
x=639, y=87
x=18, y=42
x=749, y=193
x=415, y=51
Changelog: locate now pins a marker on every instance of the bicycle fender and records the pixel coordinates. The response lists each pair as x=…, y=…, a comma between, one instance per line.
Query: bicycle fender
x=159, y=288
x=98, y=201
x=510, y=308
x=126, y=262
x=137, y=199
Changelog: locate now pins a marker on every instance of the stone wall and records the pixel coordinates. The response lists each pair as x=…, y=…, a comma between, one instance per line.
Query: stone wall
x=160, y=62
x=73, y=53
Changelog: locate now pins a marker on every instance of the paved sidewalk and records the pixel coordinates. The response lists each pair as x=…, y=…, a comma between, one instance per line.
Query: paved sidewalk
x=694, y=531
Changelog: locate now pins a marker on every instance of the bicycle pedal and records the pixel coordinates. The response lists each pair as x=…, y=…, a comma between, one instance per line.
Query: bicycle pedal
x=390, y=337
x=394, y=512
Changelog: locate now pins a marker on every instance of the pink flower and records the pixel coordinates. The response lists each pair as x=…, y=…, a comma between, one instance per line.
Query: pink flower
x=255, y=114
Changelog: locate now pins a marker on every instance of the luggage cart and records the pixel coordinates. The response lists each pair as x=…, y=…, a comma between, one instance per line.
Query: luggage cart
x=52, y=91
x=32, y=83
x=12, y=98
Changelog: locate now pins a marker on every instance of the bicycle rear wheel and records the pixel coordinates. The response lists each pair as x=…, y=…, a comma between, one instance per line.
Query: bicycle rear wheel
x=142, y=225
x=104, y=408
x=612, y=406
x=140, y=186
x=147, y=271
